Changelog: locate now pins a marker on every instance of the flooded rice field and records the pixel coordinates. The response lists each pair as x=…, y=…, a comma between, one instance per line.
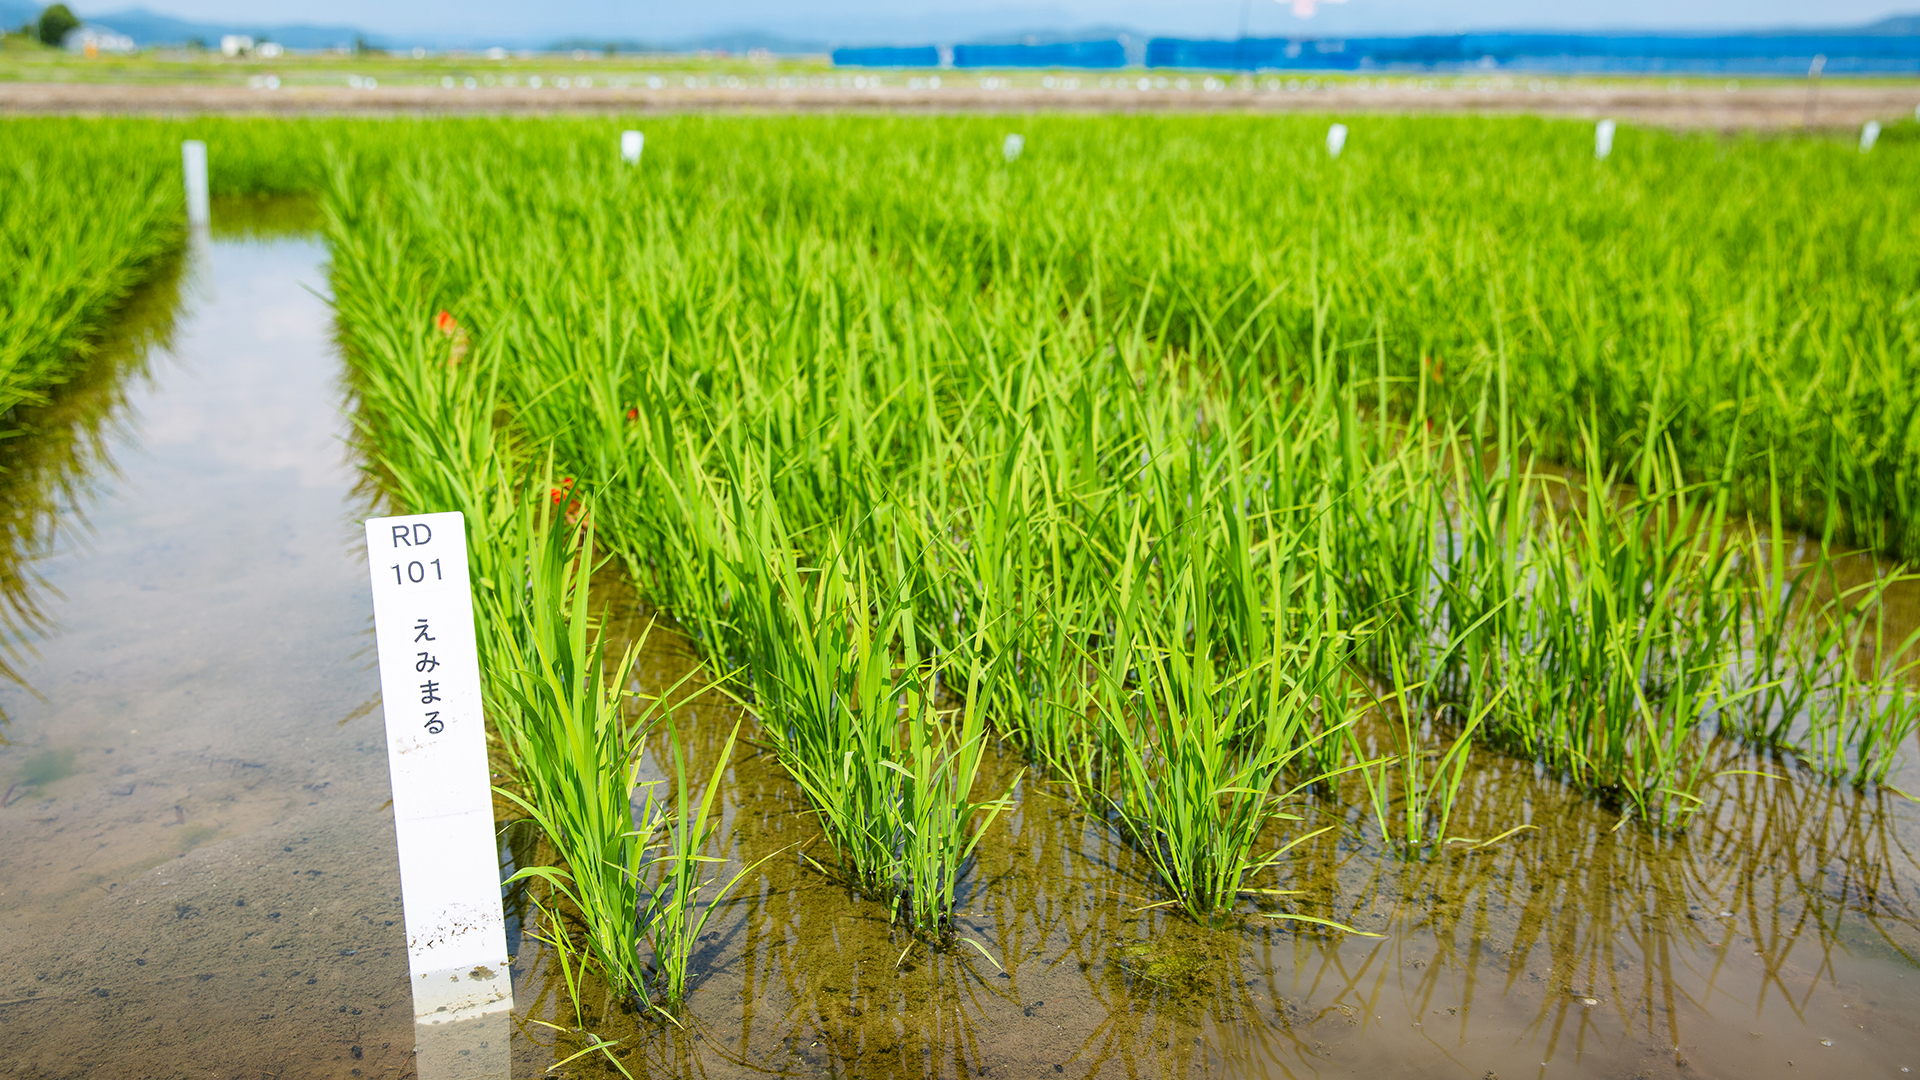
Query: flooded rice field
x=197, y=865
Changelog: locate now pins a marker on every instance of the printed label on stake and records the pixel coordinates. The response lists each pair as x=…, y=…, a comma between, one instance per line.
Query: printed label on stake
x=437, y=753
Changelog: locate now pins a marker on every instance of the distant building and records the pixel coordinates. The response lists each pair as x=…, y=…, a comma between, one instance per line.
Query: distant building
x=93, y=40
x=235, y=44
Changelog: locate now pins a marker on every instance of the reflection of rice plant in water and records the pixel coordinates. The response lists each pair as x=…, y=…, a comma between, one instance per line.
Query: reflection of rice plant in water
x=673, y=916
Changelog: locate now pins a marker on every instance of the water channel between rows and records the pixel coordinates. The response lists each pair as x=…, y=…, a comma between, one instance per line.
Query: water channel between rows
x=197, y=867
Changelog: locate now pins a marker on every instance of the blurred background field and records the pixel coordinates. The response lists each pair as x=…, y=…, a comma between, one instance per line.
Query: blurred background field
x=1832, y=77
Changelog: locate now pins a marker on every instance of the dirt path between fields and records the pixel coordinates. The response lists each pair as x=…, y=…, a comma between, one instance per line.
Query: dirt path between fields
x=1770, y=106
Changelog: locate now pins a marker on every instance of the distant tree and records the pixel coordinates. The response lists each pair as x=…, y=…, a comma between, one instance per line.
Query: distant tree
x=56, y=23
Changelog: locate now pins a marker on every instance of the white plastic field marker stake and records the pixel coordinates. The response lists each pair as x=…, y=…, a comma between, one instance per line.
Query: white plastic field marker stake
x=437, y=753
x=1602, y=139
x=193, y=163
x=1012, y=147
x=1336, y=140
x=1869, y=134
x=631, y=143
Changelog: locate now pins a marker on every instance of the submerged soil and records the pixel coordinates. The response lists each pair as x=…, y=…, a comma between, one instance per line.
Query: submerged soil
x=197, y=870
x=1778, y=932
x=196, y=865
x=1756, y=105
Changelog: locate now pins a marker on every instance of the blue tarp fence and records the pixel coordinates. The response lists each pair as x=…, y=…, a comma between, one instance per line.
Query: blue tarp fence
x=1783, y=54
x=1777, y=54
x=927, y=56
x=1078, y=54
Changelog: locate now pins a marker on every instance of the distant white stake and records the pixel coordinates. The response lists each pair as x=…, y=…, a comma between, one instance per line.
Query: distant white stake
x=1869, y=134
x=1602, y=139
x=193, y=164
x=1336, y=140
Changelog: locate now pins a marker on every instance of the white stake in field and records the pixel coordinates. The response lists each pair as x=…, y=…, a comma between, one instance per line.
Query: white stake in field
x=442, y=794
x=193, y=164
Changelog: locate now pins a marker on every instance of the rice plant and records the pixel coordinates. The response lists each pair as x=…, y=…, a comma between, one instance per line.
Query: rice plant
x=1425, y=783
x=77, y=240
x=1207, y=743
x=845, y=698
x=673, y=916
x=557, y=704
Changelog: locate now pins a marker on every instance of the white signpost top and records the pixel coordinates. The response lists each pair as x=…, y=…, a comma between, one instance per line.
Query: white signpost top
x=437, y=752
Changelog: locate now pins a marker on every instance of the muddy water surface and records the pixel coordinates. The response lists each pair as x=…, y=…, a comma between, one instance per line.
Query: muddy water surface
x=1776, y=937
x=197, y=869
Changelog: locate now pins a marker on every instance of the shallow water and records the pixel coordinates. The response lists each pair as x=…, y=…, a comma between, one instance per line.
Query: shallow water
x=198, y=869
x=1779, y=929
x=197, y=865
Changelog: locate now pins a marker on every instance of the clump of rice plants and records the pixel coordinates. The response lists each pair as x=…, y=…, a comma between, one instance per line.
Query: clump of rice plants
x=848, y=701
x=574, y=751
x=1203, y=753
x=1226, y=683
x=633, y=864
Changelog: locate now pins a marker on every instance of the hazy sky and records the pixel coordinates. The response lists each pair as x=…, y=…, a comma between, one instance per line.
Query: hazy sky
x=906, y=19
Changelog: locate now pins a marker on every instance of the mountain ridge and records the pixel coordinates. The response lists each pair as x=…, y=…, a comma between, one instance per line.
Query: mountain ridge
x=150, y=28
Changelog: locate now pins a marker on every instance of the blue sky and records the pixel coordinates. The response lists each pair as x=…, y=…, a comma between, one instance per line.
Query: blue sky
x=948, y=19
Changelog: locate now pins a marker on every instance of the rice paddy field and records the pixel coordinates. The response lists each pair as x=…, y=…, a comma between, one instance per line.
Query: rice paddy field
x=1154, y=599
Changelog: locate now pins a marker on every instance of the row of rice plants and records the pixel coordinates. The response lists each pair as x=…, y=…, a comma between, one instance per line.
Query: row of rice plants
x=76, y=239
x=95, y=210
x=1751, y=293
x=566, y=732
